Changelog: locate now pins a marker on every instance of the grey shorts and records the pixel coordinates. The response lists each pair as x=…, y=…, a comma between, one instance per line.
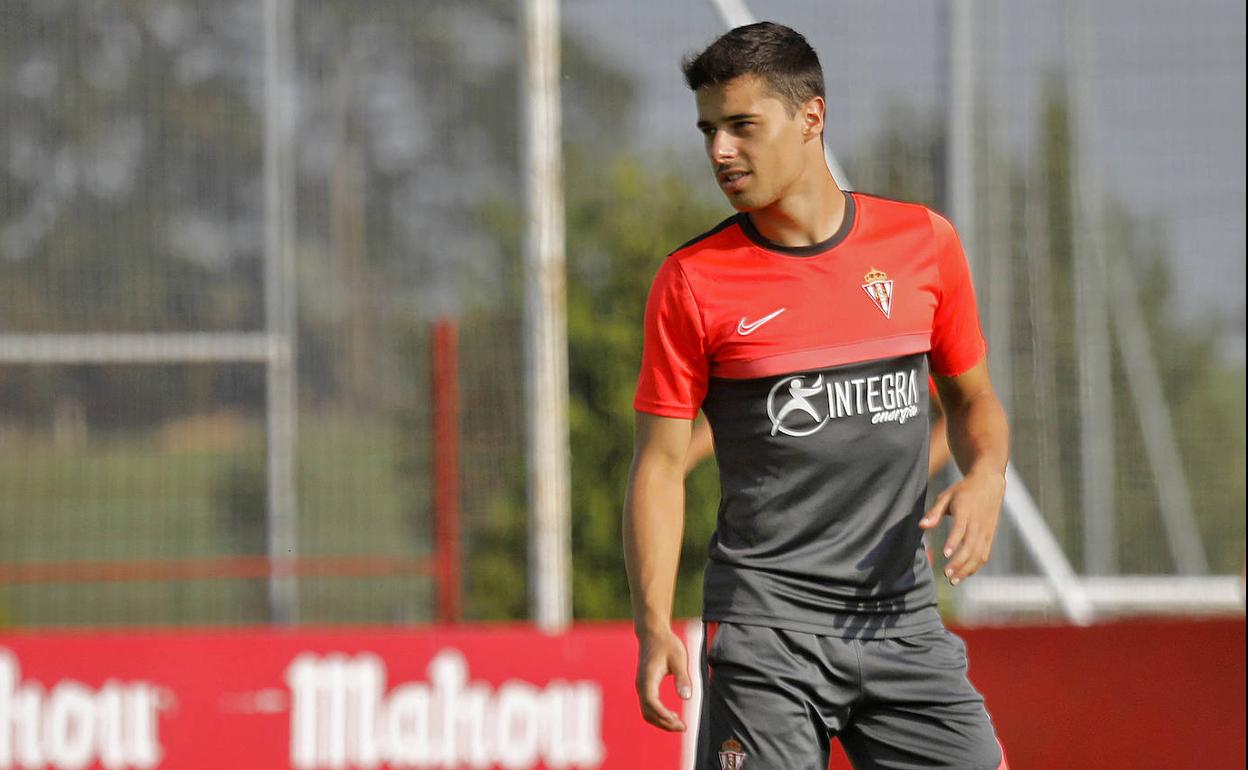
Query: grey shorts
x=774, y=699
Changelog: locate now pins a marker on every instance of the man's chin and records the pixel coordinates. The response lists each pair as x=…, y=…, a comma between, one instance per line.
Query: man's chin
x=743, y=203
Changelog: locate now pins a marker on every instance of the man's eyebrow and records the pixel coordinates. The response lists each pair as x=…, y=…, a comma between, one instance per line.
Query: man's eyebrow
x=729, y=119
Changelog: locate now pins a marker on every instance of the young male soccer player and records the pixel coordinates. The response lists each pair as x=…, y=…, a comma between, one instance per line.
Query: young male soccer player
x=804, y=327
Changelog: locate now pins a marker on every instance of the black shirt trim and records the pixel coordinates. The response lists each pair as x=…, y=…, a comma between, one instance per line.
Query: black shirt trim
x=732, y=220
x=847, y=224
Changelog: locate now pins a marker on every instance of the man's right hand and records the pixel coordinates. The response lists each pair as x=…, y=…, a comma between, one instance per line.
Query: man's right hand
x=661, y=654
x=653, y=523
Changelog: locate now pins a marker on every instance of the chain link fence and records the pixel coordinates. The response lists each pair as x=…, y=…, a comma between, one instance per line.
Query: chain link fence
x=133, y=471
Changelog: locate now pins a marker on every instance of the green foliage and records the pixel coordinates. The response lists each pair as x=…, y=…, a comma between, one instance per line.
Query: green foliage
x=240, y=498
x=158, y=249
x=621, y=224
x=622, y=219
x=1203, y=392
x=905, y=160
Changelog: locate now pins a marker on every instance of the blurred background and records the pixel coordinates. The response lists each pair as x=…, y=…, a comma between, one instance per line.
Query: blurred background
x=262, y=321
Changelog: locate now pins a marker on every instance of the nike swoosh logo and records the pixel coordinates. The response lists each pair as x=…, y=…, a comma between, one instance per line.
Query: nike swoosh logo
x=744, y=328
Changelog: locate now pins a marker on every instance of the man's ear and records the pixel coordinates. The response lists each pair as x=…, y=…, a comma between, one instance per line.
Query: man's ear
x=813, y=112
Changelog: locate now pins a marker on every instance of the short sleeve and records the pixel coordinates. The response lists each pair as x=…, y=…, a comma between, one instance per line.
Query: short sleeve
x=674, y=366
x=957, y=340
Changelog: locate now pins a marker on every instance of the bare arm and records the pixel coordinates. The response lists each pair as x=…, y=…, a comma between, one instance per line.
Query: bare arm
x=701, y=444
x=979, y=440
x=938, y=446
x=654, y=519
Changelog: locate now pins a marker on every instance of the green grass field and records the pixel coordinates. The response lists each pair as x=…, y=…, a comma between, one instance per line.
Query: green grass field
x=197, y=491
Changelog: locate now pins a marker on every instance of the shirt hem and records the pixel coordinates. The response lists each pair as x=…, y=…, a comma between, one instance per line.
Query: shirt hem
x=850, y=625
x=964, y=365
x=659, y=410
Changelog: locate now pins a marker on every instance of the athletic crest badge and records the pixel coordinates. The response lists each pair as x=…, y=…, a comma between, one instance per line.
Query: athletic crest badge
x=879, y=287
x=731, y=757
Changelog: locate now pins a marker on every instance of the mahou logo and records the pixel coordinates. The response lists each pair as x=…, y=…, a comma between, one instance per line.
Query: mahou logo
x=70, y=726
x=343, y=717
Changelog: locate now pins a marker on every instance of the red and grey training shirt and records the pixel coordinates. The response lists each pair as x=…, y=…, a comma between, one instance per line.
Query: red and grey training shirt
x=811, y=365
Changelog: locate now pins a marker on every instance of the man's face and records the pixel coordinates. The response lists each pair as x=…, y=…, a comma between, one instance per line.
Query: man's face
x=757, y=149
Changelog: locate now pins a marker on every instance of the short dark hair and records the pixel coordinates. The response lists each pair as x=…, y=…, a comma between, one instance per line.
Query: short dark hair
x=774, y=52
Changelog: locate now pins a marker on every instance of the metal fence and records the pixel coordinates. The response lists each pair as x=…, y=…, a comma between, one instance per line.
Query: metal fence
x=179, y=177
x=228, y=228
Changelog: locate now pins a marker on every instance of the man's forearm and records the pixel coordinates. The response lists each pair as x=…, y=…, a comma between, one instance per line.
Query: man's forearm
x=654, y=509
x=701, y=444
x=979, y=435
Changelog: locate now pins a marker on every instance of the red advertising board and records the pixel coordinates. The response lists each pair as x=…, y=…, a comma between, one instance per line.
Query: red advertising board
x=1121, y=695
x=481, y=698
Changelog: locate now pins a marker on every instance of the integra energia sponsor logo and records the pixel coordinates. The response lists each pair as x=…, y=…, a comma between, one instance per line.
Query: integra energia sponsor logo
x=799, y=408
x=70, y=726
x=344, y=716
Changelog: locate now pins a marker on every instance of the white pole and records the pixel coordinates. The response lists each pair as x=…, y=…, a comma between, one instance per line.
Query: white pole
x=1160, y=445
x=733, y=13
x=1041, y=320
x=138, y=348
x=546, y=348
x=279, y=301
x=1096, y=416
x=1045, y=550
x=1112, y=596
x=961, y=114
x=997, y=264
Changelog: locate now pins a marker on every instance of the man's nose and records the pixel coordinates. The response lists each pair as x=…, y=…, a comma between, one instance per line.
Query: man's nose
x=722, y=147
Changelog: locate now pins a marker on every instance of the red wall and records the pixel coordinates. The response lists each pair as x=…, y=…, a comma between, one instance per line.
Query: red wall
x=1141, y=694
x=1134, y=695
x=1137, y=695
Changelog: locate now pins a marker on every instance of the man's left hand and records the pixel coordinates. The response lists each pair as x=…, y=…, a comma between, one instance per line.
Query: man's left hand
x=974, y=504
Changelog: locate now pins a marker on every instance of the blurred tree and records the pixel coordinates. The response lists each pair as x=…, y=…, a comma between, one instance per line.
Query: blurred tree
x=621, y=221
x=618, y=234
x=130, y=200
x=132, y=182
x=1203, y=390
x=1199, y=385
x=128, y=191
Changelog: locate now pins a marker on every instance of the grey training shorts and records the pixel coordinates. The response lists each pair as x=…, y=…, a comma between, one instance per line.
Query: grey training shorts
x=774, y=699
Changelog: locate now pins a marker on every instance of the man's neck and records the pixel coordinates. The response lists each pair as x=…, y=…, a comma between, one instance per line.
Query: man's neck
x=810, y=214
